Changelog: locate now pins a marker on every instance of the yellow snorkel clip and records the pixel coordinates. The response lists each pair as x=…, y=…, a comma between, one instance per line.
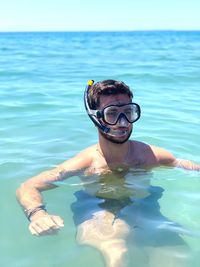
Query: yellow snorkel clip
x=90, y=82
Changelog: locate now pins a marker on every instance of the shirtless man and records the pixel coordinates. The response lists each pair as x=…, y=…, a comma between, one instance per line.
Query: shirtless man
x=109, y=105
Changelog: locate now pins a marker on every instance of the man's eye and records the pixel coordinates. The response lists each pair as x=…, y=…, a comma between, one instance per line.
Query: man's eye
x=111, y=113
x=128, y=111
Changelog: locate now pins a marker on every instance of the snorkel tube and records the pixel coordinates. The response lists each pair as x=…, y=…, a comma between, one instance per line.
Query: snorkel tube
x=91, y=114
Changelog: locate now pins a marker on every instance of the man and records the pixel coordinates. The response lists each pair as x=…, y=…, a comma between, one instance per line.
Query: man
x=110, y=107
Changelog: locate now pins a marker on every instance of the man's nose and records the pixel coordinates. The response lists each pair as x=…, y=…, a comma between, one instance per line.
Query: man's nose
x=122, y=121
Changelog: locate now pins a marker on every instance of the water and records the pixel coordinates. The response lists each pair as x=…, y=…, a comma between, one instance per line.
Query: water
x=43, y=123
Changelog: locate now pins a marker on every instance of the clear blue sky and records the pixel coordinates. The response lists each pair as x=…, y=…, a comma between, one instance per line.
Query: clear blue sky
x=95, y=15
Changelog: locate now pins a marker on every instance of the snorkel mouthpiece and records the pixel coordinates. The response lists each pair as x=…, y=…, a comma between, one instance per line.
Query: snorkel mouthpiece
x=89, y=111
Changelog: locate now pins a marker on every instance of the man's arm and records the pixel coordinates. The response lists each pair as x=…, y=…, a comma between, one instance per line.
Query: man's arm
x=186, y=164
x=30, y=198
x=164, y=157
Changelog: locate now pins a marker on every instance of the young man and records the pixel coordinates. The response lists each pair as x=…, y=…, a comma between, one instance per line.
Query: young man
x=109, y=105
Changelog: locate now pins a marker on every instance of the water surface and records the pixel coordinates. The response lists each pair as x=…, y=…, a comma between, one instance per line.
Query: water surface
x=43, y=123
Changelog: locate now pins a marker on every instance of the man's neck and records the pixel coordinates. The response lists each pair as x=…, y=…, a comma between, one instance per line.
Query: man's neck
x=114, y=153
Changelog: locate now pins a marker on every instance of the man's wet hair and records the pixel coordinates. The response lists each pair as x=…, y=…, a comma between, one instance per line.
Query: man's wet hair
x=106, y=87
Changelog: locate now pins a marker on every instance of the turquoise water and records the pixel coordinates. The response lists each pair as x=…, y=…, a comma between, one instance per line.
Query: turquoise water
x=43, y=123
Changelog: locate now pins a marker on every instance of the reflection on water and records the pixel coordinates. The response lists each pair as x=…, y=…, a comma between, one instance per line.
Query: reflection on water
x=119, y=184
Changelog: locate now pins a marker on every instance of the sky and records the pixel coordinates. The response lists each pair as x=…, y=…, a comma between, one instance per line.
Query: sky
x=99, y=15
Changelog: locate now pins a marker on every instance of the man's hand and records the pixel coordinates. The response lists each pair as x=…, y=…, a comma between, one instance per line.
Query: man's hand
x=45, y=224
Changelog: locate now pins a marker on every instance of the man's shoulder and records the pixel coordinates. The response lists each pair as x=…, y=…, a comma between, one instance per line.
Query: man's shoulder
x=163, y=156
x=81, y=160
x=145, y=146
x=154, y=154
x=140, y=145
x=88, y=151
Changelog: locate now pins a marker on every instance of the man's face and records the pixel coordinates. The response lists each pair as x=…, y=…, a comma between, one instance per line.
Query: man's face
x=122, y=130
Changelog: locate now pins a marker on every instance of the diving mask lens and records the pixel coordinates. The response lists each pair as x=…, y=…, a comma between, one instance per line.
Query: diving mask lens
x=112, y=113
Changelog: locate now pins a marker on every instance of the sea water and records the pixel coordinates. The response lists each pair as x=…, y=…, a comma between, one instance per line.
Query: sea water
x=43, y=123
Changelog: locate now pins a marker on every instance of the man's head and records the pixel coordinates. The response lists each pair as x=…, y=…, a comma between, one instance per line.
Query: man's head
x=109, y=105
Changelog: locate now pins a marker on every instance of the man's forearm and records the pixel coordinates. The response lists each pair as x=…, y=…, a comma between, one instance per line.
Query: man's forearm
x=28, y=194
x=41, y=223
x=187, y=164
x=30, y=199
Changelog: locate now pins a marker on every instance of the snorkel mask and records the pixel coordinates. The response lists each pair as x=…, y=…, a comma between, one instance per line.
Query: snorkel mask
x=111, y=114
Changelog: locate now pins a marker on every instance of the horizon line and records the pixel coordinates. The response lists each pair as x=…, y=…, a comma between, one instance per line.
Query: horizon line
x=137, y=30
